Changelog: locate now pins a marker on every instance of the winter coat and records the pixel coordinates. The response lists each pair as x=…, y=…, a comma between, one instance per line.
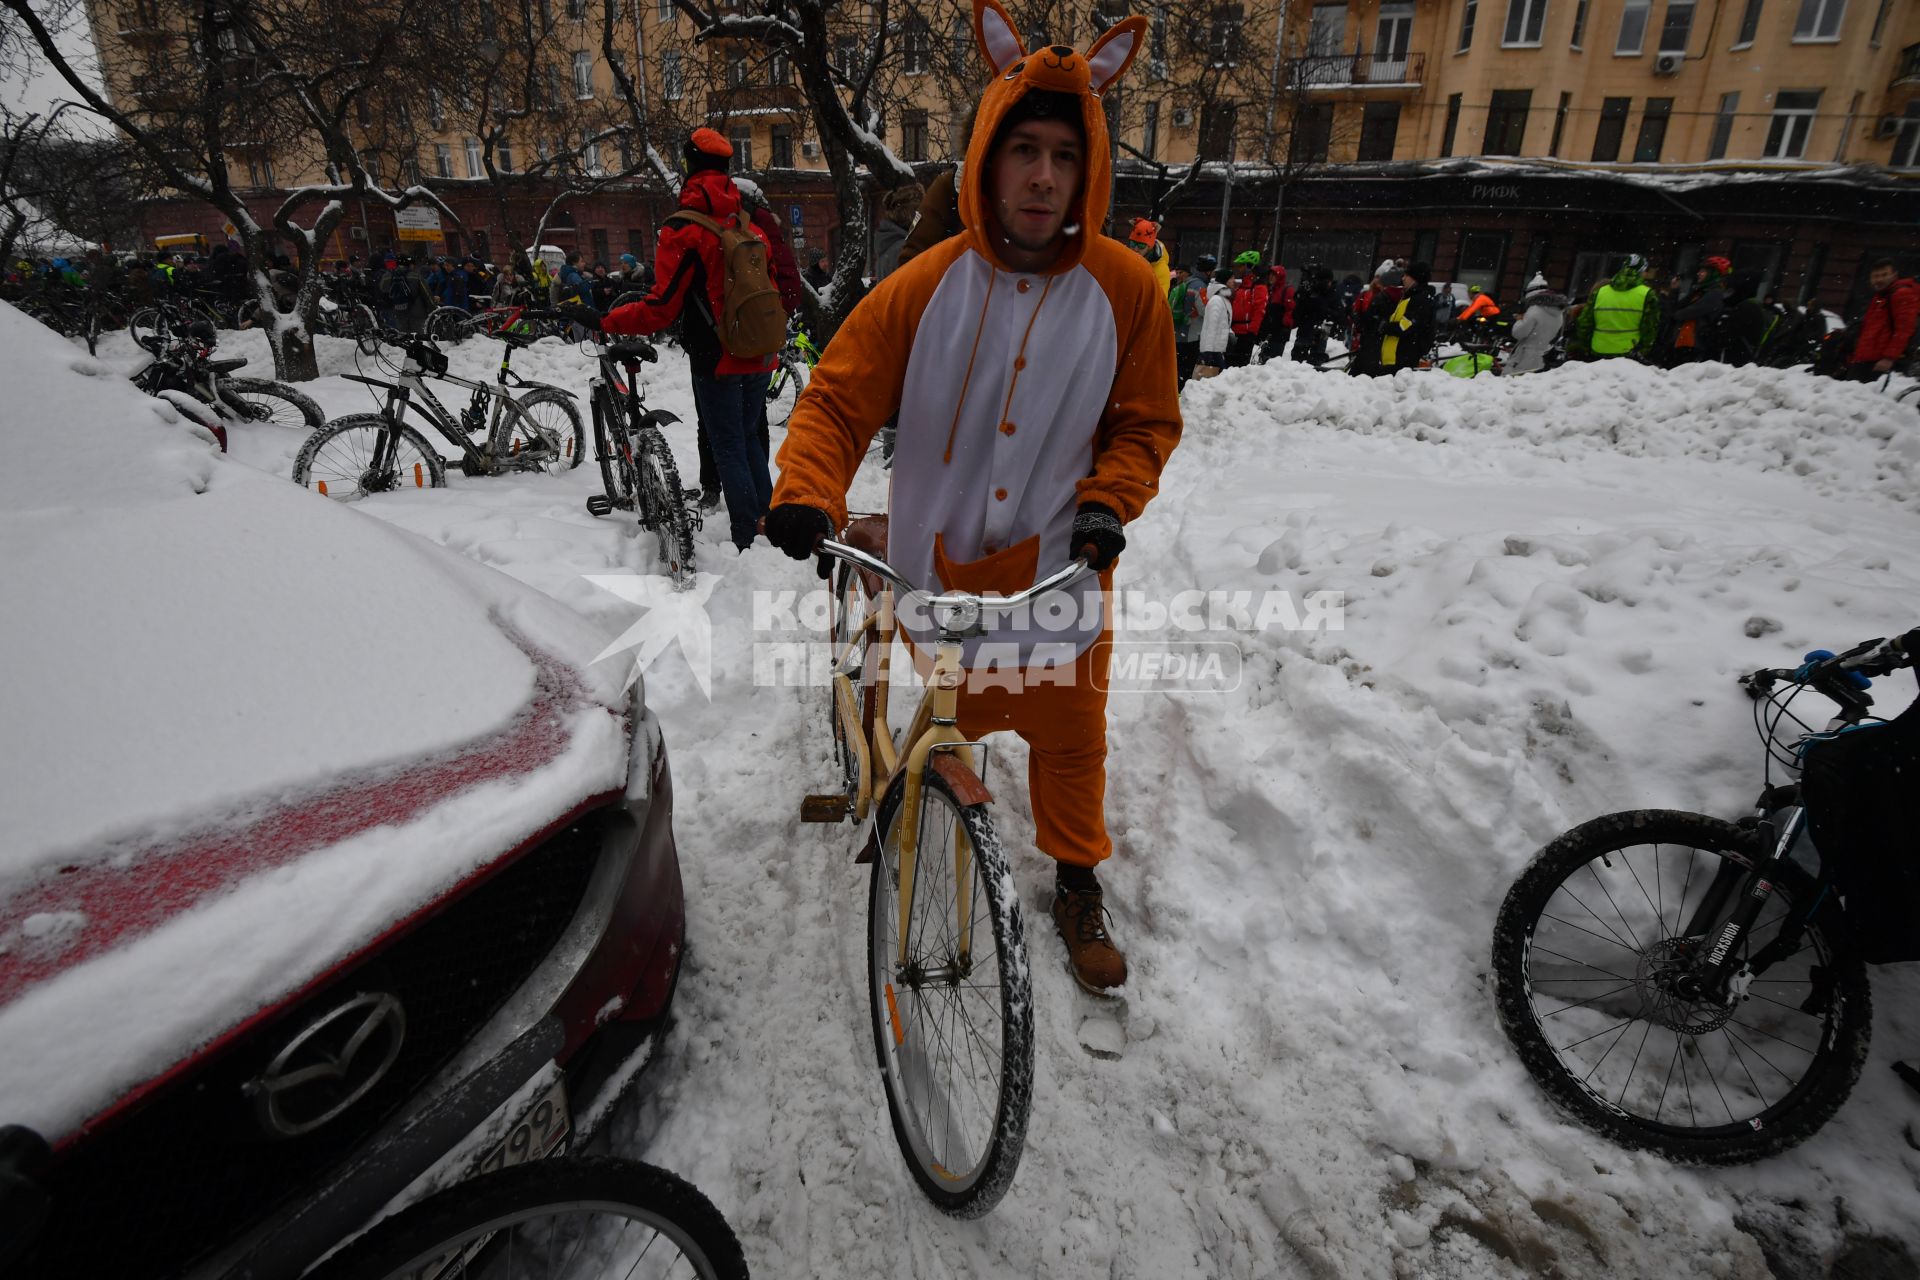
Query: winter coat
x=889, y=237
x=1543, y=315
x=1697, y=323
x=1216, y=327
x=1622, y=316
x=1280, y=308
x=1886, y=329
x=1417, y=345
x=781, y=265
x=1249, y=307
x=1187, y=301
x=939, y=215
x=690, y=281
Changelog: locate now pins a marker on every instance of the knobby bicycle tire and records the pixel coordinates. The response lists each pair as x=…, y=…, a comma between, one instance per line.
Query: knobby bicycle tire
x=556, y=406
x=249, y=389
x=449, y=324
x=524, y=1194
x=357, y=434
x=1833, y=1062
x=664, y=507
x=899, y=1017
x=611, y=446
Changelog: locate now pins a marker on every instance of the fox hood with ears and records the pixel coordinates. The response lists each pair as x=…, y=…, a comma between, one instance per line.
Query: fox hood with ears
x=1056, y=68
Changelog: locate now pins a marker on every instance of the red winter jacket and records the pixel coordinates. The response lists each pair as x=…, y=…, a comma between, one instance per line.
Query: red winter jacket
x=688, y=257
x=1249, y=306
x=1886, y=330
x=785, y=271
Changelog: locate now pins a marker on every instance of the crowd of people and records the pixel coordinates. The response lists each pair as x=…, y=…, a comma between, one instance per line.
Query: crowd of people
x=1248, y=312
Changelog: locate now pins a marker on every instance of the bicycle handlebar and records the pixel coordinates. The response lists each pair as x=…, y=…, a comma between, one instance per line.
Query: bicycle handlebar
x=1843, y=676
x=1068, y=574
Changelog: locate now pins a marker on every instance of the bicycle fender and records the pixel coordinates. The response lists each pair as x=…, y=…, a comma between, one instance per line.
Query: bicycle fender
x=962, y=781
x=661, y=418
x=522, y=383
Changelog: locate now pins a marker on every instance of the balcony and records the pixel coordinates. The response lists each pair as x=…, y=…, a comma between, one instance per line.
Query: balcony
x=1907, y=69
x=756, y=100
x=1355, y=71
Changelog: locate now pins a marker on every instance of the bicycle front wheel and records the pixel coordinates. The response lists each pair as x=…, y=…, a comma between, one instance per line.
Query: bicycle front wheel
x=783, y=392
x=571, y=1218
x=449, y=324
x=550, y=420
x=1592, y=958
x=342, y=460
x=952, y=1010
x=263, y=400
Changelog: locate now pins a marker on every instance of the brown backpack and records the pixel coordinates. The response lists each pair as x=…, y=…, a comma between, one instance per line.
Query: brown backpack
x=751, y=323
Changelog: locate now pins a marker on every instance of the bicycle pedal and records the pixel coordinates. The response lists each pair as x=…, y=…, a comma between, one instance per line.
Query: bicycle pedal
x=600, y=504
x=834, y=808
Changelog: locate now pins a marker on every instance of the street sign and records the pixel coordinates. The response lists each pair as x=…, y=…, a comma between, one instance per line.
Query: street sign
x=793, y=214
x=417, y=222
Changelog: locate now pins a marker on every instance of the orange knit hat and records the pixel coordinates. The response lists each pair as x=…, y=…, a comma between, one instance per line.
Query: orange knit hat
x=1145, y=232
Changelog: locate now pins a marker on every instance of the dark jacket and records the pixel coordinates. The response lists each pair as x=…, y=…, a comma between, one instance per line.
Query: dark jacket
x=939, y=217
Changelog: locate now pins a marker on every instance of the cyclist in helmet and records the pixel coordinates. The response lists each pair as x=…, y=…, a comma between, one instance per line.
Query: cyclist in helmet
x=1697, y=323
x=1623, y=316
x=1249, y=307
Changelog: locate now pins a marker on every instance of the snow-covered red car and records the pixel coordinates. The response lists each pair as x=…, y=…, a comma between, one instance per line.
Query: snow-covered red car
x=335, y=865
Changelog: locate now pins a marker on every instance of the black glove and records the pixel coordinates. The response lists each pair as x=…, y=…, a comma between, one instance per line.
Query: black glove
x=795, y=528
x=585, y=317
x=1097, y=536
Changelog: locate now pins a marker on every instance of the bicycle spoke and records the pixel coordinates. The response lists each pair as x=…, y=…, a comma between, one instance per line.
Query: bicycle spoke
x=1589, y=1000
x=1590, y=933
x=1624, y=1028
x=1596, y=915
x=1624, y=977
x=1758, y=1092
x=1616, y=906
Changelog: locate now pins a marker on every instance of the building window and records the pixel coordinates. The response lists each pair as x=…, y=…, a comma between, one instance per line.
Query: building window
x=1749, y=24
x=665, y=12
x=1223, y=35
x=1653, y=131
x=503, y=157
x=1525, y=18
x=1150, y=131
x=589, y=151
x=1723, y=126
x=846, y=56
x=1467, y=19
x=1560, y=124
x=1678, y=28
x=1312, y=134
x=1453, y=124
x=1633, y=27
x=1379, y=126
x=1793, y=112
x=259, y=171
x=577, y=10
x=553, y=87
x=916, y=45
x=1216, y=128
x=736, y=67
x=583, y=75
x=1579, y=40
x=1392, y=38
x=780, y=147
x=913, y=136
x=742, y=139
x=476, y=162
x=1613, y=127
x=1507, y=122
x=1482, y=253
x=442, y=160
x=599, y=237
x=672, y=83
x=960, y=47
x=1906, y=143
x=780, y=67
x=1157, y=44
x=1819, y=20
x=1880, y=23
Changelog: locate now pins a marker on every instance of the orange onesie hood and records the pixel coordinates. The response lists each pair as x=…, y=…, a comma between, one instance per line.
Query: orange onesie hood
x=1057, y=68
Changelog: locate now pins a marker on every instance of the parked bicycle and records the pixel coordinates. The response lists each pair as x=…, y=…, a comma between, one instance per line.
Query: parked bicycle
x=166, y=319
x=948, y=981
x=76, y=312
x=350, y=319
x=185, y=367
x=523, y=426
x=791, y=375
x=1698, y=987
x=457, y=324
x=636, y=466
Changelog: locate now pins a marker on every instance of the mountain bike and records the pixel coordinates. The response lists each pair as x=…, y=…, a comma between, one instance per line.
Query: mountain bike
x=636, y=467
x=457, y=324
x=532, y=429
x=350, y=319
x=791, y=375
x=166, y=319
x=948, y=983
x=1698, y=987
x=185, y=367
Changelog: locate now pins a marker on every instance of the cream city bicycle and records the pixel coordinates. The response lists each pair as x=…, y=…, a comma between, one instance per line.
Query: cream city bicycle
x=949, y=988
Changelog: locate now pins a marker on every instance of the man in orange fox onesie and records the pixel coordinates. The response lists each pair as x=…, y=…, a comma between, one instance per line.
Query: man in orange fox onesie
x=1031, y=361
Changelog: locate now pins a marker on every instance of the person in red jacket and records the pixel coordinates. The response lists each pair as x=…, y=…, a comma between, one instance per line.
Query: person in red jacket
x=1249, y=308
x=729, y=391
x=1886, y=328
x=1277, y=326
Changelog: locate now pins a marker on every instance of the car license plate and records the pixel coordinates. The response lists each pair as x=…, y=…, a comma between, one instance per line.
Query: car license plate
x=538, y=1133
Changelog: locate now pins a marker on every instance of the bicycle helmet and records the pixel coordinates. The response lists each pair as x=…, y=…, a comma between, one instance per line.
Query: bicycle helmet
x=1718, y=265
x=201, y=331
x=1635, y=262
x=1251, y=258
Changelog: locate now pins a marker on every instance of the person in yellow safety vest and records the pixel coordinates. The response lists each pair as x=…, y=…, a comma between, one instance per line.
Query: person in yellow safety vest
x=1623, y=316
x=1145, y=241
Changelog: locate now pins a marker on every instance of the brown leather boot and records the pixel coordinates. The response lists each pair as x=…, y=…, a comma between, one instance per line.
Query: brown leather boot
x=1081, y=918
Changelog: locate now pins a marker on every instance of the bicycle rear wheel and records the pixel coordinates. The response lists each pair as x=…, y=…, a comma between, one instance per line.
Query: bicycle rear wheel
x=338, y=461
x=953, y=1023
x=449, y=324
x=570, y=1218
x=1591, y=954
x=663, y=507
x=551, y=421
x=264, y=400
x=613, y=445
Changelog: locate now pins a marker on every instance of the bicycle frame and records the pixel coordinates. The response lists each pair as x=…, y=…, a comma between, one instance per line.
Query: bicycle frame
x=412, y=379
x=616, y=388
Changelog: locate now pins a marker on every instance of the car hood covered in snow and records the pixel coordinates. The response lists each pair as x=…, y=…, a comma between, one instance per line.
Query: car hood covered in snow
x=247, y=729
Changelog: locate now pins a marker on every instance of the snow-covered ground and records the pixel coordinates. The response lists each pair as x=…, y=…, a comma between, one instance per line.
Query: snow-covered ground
x=1550, y=583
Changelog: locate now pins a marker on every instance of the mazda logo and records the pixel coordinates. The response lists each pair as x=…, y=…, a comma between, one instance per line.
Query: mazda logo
x=332, y=1063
